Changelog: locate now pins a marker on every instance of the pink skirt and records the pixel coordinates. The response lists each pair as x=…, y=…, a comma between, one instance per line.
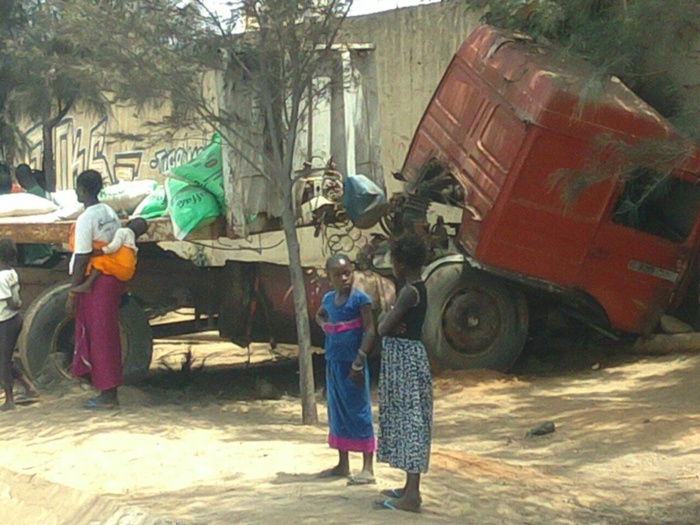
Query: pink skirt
x=98, y=350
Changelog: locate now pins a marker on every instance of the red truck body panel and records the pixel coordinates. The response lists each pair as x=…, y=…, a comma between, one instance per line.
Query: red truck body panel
x=505, y=117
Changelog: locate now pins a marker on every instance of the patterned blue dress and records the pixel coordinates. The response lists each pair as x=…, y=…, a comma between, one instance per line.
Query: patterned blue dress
x=349, y=406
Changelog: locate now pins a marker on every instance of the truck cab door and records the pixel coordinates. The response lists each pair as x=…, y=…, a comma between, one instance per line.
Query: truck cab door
x=640, y=256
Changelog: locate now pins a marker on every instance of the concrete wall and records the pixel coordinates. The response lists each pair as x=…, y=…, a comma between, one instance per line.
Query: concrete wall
x=413, y=46
x=84, y=141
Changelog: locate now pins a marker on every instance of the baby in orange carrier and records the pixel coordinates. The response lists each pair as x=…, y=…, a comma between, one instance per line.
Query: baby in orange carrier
x=118, y=258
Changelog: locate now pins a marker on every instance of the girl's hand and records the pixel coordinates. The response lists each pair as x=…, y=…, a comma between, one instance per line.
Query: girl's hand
x=400, y=329
x=321, y=317
x=357, y=372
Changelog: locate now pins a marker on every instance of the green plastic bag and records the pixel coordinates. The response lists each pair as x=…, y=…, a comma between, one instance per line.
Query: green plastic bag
x=190, y=207
x=205, y=171
x=155, y=205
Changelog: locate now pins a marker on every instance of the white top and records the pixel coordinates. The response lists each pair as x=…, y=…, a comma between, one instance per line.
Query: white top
x=96, y=223
x=123, y=237
x=9, y=287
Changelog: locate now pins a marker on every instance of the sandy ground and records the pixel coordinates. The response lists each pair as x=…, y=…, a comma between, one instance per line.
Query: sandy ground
x=207, y=449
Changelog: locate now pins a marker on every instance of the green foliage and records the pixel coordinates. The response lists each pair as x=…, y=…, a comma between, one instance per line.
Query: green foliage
x=640, y=41
x=49, y=64
x=10, y=22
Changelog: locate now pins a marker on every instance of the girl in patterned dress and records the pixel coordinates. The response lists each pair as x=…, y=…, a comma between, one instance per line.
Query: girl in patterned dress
x=405, y=384
x=346, y=317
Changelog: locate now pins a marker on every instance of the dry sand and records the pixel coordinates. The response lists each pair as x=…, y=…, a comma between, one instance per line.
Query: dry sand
x=626, y=451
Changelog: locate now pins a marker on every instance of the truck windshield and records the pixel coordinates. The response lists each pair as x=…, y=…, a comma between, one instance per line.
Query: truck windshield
x=664, y=206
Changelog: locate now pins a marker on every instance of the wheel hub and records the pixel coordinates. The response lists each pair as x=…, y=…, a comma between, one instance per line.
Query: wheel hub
x=471, y=321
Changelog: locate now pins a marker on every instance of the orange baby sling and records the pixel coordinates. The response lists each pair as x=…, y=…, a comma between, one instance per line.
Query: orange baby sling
x=121, y=264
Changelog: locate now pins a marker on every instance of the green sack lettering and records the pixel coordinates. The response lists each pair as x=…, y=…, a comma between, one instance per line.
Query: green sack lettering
x=205, y=171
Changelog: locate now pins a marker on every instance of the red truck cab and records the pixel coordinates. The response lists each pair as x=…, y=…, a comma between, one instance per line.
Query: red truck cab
x=507, y=120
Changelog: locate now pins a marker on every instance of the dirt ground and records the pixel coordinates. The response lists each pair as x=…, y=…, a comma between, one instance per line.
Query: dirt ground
x=224, y=446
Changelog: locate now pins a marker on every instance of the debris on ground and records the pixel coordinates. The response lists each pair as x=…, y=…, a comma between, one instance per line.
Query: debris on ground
x=540, y=430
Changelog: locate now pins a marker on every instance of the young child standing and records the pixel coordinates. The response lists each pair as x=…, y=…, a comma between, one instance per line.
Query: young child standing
x=10, y=326
x=121, y=255
x=346, y=317
x=405, y=383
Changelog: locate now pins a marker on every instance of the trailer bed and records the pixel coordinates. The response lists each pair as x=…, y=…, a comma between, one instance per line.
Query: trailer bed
x=45, y=229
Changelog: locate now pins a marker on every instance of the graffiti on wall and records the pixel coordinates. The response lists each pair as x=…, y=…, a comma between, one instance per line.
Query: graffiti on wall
x=165, y=160
x=77, y=148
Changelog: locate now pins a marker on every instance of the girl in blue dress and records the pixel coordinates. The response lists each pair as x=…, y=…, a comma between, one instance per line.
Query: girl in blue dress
x=346, y=318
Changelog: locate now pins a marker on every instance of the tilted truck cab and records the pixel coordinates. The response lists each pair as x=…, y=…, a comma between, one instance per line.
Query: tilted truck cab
x=506, y=122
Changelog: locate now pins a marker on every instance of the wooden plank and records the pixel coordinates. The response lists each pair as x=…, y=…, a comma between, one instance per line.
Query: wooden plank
x=23, y=232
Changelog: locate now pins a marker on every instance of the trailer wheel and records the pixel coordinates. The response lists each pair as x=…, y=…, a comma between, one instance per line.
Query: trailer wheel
x=473, y=320
x=46, y=342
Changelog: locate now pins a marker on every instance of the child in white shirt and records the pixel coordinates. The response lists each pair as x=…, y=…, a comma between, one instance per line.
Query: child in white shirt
x=10, y=327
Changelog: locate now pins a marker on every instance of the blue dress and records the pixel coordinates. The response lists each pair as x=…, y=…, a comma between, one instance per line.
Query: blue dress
x=349, y=406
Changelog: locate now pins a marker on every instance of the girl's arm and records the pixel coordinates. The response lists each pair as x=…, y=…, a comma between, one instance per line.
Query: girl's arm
x=80, y=265
x=407, y=299
x=12, y=304
x=321, y=317
x=368, y=335
x=79, y=268
x=358, y=365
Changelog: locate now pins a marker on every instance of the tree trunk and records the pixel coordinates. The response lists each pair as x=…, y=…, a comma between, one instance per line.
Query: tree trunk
x=47, y=159
x=48, y=162
x=309, y=413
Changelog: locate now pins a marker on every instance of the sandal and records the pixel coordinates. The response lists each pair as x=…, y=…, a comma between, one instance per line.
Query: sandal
x=394, y=504
x=97, y=404
x=362, y=480
x=24, y=399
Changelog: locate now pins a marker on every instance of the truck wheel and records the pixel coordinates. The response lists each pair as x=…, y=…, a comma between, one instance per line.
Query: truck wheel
x=473, y=320
x=47, y=338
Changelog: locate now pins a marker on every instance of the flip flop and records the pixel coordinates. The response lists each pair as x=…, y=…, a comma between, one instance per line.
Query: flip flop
x=24, y=399
x=93, y=404
x=392, y=493
x=384, y=505
x=362, y=480
x=388, y=504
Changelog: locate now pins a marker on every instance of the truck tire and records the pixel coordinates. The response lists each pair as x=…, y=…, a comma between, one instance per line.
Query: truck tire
x=473, y=320
x=46, y=342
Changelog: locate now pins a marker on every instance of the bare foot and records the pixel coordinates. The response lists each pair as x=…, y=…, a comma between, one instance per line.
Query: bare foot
x=393, y=493
x=8, y=405
x=339, y=471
